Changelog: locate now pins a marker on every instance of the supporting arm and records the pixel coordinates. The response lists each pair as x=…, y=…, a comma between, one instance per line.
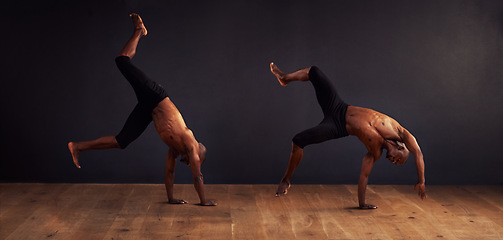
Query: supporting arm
x=197, y=176
x=169, y=177
x=367, y=165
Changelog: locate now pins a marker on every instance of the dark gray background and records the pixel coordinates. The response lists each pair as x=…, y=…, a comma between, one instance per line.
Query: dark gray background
x=434, y=66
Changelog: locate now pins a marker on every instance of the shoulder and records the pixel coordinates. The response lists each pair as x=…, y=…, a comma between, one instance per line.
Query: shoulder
x=372, y=139
x=388, y=127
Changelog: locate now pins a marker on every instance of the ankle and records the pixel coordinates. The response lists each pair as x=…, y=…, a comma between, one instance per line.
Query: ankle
x=75, y=146
x=138, y=32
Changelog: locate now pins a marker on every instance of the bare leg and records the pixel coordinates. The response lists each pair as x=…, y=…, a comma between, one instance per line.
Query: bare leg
x=110, y=141
x=100, y=143
x=139, y=31
x=295, y=158
x=284, y=79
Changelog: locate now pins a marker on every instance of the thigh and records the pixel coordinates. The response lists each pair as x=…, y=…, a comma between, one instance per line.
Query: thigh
x=133, y=74
x=147, y=91
x=135, y=124
x=326, y=93
x=320, y=133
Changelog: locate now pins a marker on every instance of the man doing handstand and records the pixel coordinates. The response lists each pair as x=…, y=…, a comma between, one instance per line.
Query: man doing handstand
x=153, y=105
x=375, y=130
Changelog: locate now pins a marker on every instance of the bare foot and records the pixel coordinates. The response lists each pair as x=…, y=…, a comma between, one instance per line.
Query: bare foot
x=208, y=203
x=278, y=73
x=283, y=188
x=177, y=201
x=75, y=153
x=138, y=23
x=367, y=206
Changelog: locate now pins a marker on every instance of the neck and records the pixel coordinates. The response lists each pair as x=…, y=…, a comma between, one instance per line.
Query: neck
x=389, y=143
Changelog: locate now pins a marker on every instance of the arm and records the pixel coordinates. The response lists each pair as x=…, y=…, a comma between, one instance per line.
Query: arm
x=197, y=177
x=169, y=176
x=367, y=164
x=413, y=146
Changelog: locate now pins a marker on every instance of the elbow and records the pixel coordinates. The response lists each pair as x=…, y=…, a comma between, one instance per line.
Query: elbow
x=419, y=155
x=197, y=177
x=364, y=176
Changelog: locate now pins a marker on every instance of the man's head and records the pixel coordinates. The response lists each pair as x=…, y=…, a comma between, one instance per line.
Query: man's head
x=202, y=155
x=397, y=152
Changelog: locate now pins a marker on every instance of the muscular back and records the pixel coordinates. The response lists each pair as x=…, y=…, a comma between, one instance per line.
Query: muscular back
x=171, y=127
x=371, y=127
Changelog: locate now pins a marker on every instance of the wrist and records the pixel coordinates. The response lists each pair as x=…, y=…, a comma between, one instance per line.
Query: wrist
x=421, y=180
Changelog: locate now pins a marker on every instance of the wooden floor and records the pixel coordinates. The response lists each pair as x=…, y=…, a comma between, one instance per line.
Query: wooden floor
x=139, y=211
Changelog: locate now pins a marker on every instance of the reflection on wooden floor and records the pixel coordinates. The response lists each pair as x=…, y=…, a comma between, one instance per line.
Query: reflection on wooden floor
x=139, y=211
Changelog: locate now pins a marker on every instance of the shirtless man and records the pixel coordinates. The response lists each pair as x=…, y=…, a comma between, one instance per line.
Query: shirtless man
x=375, y=130
x=153, y=104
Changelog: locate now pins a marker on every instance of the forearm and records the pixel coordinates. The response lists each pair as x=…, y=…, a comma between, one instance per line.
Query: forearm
x=420, y=186
x=362, y=188
x=420, y=168
x=199, y=186
x=169, y=178
x=367, y=165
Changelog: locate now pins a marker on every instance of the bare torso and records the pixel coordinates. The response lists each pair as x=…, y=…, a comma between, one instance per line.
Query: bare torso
x=171, y=127
x=371, y=127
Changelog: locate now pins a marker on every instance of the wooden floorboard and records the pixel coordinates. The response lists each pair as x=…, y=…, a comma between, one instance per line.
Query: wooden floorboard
x=140, y=211
x=245, y=213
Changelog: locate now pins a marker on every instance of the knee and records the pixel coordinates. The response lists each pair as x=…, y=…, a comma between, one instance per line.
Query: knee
x=121, y=60
x=314, y=70
x=122, y=142
x=298, y=141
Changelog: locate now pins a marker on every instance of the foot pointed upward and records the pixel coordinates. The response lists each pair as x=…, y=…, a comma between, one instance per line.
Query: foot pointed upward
x=75, y=153
x=138, y=23
x=278, y=73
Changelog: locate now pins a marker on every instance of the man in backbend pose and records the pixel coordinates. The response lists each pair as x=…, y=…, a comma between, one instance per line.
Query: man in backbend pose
x=375, y=130
x=153, y=104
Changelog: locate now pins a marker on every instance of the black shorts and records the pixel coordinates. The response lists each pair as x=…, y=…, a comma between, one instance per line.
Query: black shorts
x=148, y=93
x=334, y=109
